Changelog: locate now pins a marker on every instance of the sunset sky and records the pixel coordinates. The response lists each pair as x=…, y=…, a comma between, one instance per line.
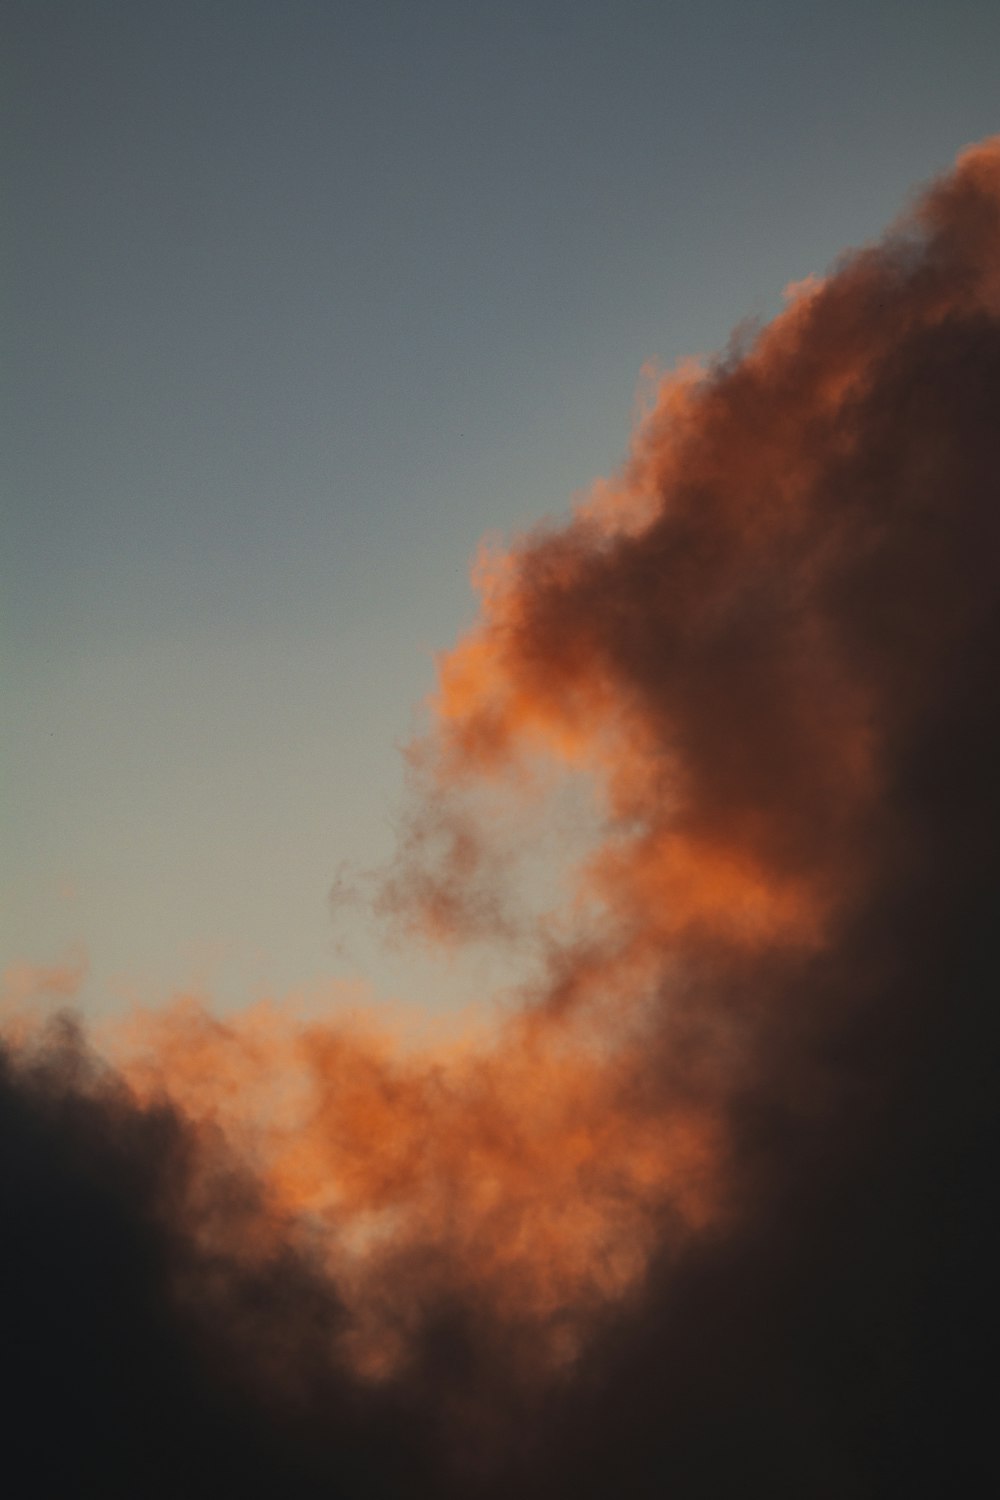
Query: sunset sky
x=305, y=299
x=501, y=820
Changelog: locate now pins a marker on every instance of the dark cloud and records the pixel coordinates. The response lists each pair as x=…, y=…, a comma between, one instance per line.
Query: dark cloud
x=138, y=1361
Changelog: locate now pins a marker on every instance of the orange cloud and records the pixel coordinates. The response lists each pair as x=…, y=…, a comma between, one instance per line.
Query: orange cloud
x=769, y=647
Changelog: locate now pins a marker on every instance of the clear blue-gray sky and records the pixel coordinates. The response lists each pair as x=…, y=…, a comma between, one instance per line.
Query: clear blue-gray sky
x=303, y=298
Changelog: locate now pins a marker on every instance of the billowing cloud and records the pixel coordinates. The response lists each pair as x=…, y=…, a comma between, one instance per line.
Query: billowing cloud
x=710, y=1210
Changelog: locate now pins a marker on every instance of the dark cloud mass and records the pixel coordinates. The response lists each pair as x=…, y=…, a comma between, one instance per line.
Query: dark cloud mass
x=714, y=1213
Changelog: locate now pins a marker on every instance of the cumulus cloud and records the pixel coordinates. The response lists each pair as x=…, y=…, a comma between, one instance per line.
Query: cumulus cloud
x=711, y=1209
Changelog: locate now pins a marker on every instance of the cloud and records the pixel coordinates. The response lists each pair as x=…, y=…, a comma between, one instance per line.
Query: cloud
x=711, y=1210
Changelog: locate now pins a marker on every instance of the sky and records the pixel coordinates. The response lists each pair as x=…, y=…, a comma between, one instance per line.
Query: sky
x=691, y=773
x=302, y=301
